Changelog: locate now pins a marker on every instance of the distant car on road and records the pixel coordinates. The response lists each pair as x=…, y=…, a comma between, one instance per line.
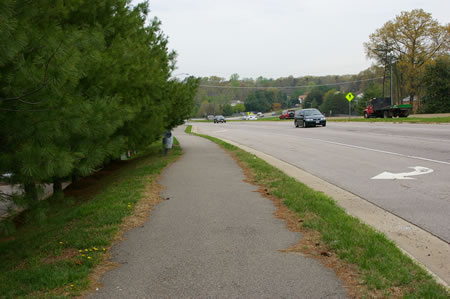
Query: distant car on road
x=288, y=114
x=309, y=117
x=219, y=119
x=252, y=117
x=210, y=117
x=259, y=114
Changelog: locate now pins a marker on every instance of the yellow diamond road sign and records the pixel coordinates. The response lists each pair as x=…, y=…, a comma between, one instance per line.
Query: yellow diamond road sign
x=349, y=96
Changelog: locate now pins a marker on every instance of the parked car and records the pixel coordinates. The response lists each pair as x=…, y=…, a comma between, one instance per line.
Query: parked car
x=259, y=114
x=252, y=117
x=287, y=114
x=210, y=117
x=309, y=117
x=219, y=119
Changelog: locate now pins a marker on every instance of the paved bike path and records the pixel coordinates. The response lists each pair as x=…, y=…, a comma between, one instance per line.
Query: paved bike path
x=215, y=237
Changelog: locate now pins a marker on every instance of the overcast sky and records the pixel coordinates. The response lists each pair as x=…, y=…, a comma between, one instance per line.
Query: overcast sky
x=278, y=38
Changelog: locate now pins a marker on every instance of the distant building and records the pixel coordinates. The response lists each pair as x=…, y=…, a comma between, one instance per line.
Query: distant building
x=234, y=103
x=406, y=100
x=301, y=99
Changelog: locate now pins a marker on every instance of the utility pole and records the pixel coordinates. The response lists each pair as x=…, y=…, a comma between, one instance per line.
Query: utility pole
x=390, y=83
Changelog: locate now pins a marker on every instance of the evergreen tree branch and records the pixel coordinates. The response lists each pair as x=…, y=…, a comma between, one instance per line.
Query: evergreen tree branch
x=43, y=85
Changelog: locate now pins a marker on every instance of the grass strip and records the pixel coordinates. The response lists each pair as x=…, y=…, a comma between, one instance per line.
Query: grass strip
x=413, y=120
x=383, y=266
x=60, y=243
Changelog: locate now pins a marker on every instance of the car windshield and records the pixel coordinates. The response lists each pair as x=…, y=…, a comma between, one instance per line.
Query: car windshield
x=312, y=112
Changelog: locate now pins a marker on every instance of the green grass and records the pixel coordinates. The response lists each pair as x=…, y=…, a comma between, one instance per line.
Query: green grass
x=383, y=266
x=415, y=120
x=60, y=242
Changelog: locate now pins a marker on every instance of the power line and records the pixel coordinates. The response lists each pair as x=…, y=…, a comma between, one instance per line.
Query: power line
x=287, y=87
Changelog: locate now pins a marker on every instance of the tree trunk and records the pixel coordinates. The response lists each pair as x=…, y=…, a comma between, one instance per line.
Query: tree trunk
x=31, y=191
x=57, y=185
x=413, y=105
x=75, y=178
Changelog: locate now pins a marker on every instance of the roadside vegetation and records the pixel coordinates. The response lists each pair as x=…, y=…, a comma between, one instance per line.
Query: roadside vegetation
x=383, y=270
x=60, y=242
x=81, y=84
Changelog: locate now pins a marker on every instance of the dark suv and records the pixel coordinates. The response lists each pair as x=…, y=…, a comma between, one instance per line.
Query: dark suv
x=309, y=117
x=219, y=119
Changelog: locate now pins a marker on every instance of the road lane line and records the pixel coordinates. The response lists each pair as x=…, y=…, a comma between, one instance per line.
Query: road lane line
x=413, y=241
x=378, y=151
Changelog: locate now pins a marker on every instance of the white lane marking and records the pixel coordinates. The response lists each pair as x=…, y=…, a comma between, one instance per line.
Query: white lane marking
x=418, y=170
x=220, y=131
x=364, y=148
x=379, y=151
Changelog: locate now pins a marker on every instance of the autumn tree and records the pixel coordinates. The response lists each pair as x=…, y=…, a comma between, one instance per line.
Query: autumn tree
x=413, y=39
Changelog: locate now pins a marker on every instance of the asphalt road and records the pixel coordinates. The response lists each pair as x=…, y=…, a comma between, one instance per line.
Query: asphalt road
x=214, y=238
x=350, y=155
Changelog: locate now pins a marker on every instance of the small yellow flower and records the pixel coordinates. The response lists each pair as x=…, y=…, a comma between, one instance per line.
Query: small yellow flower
x=104, y=249
x=95, y=248
x=61, y=242
x=89, y=257
x=80, y=250
x=86, y=250
x=82, y=255
x=71, y=285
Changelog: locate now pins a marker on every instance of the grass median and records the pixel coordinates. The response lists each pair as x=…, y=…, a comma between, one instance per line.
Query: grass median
x=60, y=243
x=383, y=270
x=414, y=120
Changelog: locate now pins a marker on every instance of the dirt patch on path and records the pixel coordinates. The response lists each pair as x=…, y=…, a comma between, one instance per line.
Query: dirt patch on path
x=310, y=244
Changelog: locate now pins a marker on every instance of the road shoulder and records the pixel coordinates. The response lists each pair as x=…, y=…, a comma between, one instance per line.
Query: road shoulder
x=430, y=252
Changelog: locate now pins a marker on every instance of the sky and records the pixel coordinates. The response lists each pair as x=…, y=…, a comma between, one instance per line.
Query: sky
x=277, y=38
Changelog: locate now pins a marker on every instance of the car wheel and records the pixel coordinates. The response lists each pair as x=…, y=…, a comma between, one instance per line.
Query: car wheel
x=324, y=124
x=296, y=124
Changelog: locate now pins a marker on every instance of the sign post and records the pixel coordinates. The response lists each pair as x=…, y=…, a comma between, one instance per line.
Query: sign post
x=349, y=98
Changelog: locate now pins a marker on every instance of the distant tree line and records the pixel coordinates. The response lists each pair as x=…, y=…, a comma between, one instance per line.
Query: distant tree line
x=414, y=44
x=81, y=82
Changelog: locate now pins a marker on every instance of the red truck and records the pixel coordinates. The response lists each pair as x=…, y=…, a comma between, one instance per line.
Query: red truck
x=381, y=107
x=288, y=114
